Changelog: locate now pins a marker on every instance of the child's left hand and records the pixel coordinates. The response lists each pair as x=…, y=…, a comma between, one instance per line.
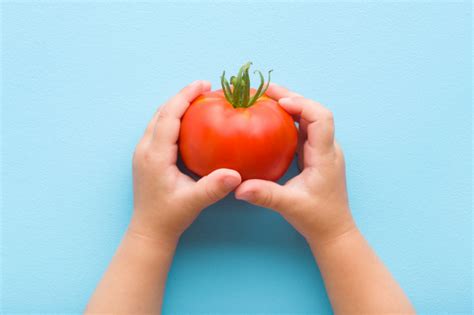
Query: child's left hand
x=167, y=201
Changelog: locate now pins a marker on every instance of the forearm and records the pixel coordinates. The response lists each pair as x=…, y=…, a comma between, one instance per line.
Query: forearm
x=356, y=279
x=135, y=280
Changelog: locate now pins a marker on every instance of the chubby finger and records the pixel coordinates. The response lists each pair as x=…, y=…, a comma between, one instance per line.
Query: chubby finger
x=265, y=194
x=320, y=121
x=276, y=92
x=215, y=186
x=168, y=120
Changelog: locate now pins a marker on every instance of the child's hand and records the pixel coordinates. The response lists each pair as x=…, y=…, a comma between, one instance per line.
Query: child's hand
x=314, y=202
x=166, y=201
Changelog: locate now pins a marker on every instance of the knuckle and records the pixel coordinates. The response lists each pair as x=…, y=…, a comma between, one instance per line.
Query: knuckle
x=163, y=113
x=329, y=116
x=212, y=194
x=267, y=199
x=143, y=157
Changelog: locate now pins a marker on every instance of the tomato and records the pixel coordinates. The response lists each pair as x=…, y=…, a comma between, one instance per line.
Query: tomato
x=238, y=128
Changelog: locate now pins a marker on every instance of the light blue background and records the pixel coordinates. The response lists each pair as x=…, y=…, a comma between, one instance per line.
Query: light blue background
x=81, y=80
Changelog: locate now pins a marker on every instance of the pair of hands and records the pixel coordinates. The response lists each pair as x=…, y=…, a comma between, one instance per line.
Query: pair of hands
x=314, y=202
x=167, y=201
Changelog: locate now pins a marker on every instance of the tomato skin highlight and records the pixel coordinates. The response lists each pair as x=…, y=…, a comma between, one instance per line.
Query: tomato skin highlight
x=257, y=141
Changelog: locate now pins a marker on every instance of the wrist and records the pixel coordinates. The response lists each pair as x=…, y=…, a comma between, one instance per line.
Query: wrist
x=141, y=229
x=144, y=252
x=344, y=230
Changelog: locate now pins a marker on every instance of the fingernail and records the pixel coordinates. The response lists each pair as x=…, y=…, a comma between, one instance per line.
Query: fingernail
x=230, y=182
x=247, y=196
x=206, y=85
x=284, y=100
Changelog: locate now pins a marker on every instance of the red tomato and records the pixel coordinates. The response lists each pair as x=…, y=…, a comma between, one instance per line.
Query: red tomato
x=257, y=140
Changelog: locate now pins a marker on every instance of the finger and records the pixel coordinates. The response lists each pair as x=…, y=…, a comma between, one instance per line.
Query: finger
x=215, y=186
x=302, y=136
x=264, y=193
x=320, y=120
x=150, y=127
x=276, y=92
x=166, y=129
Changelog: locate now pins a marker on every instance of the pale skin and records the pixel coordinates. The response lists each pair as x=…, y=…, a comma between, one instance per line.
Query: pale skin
x=315, y=202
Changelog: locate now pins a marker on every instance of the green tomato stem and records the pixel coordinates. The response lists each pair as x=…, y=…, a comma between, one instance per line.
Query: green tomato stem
x=239, y=94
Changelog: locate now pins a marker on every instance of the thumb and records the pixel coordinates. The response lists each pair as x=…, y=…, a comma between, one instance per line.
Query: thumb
x=215, y=186
x=263, y=193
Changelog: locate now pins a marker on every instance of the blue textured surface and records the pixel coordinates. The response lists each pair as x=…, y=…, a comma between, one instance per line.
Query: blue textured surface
x=80, y=82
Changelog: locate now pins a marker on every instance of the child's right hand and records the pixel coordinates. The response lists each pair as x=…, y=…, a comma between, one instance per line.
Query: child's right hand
x=314, y=202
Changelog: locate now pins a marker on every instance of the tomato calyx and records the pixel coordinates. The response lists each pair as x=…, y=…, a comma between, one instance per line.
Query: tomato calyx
x=239, y=94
